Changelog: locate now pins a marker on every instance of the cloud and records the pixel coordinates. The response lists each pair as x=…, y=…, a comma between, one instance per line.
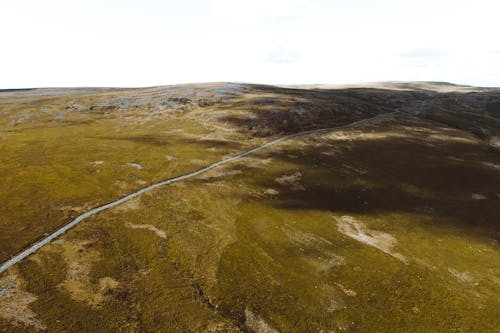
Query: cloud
x=246, y=9
x=283, y=55
x=424, y=53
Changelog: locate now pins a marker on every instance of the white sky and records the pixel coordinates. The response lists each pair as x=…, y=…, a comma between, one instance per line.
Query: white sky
x=132, y=43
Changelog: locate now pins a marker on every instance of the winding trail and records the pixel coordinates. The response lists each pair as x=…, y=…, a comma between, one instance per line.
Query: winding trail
x=36, y=246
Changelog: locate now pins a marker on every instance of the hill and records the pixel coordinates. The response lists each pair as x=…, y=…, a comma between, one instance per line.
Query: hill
x=388, y=224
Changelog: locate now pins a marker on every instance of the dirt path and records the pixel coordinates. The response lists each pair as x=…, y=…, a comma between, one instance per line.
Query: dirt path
x=36, y=246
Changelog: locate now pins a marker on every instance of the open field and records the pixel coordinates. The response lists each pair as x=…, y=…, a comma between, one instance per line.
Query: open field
x=392, y=225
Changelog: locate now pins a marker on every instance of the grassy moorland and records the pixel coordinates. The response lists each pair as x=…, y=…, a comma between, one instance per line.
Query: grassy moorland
x=389, y=226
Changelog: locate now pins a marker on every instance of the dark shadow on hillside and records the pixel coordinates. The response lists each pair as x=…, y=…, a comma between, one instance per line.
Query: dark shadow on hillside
x=403, y=174
x=273, y=110
x=270, y=110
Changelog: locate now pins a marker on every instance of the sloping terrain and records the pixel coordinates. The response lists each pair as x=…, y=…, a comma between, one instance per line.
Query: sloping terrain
x=391, y=225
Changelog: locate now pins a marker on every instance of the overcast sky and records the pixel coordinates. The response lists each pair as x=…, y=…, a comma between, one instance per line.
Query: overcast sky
x=132, y=43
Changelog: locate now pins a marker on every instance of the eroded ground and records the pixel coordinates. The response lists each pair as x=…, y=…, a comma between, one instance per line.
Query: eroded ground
x=389, y=226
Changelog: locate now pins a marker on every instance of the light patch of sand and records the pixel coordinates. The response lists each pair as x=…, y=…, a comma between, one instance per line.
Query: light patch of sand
x=383, y=241
x=160, y=233
x=257, y=324
x=292, y=181
x=80, y=258
x=14, y=302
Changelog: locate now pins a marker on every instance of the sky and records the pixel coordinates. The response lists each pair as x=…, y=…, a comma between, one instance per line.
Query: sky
x=137, y=43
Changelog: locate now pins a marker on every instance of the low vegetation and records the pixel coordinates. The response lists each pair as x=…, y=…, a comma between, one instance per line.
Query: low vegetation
x=388, y=226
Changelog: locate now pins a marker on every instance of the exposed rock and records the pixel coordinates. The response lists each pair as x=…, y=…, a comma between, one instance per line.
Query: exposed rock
x=292, y=181
x=160, y=233
x=135, y=166
x=271, y=191
x=383, y=241
x=463, y=277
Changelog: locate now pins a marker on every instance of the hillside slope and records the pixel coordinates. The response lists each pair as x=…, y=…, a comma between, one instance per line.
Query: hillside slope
x=392, y=225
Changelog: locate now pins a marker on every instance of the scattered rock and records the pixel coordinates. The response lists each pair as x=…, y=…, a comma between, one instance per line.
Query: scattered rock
x=348, y=292
x=135, y=166
x=17, y=121
x=76, y=107
x=292, y=181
